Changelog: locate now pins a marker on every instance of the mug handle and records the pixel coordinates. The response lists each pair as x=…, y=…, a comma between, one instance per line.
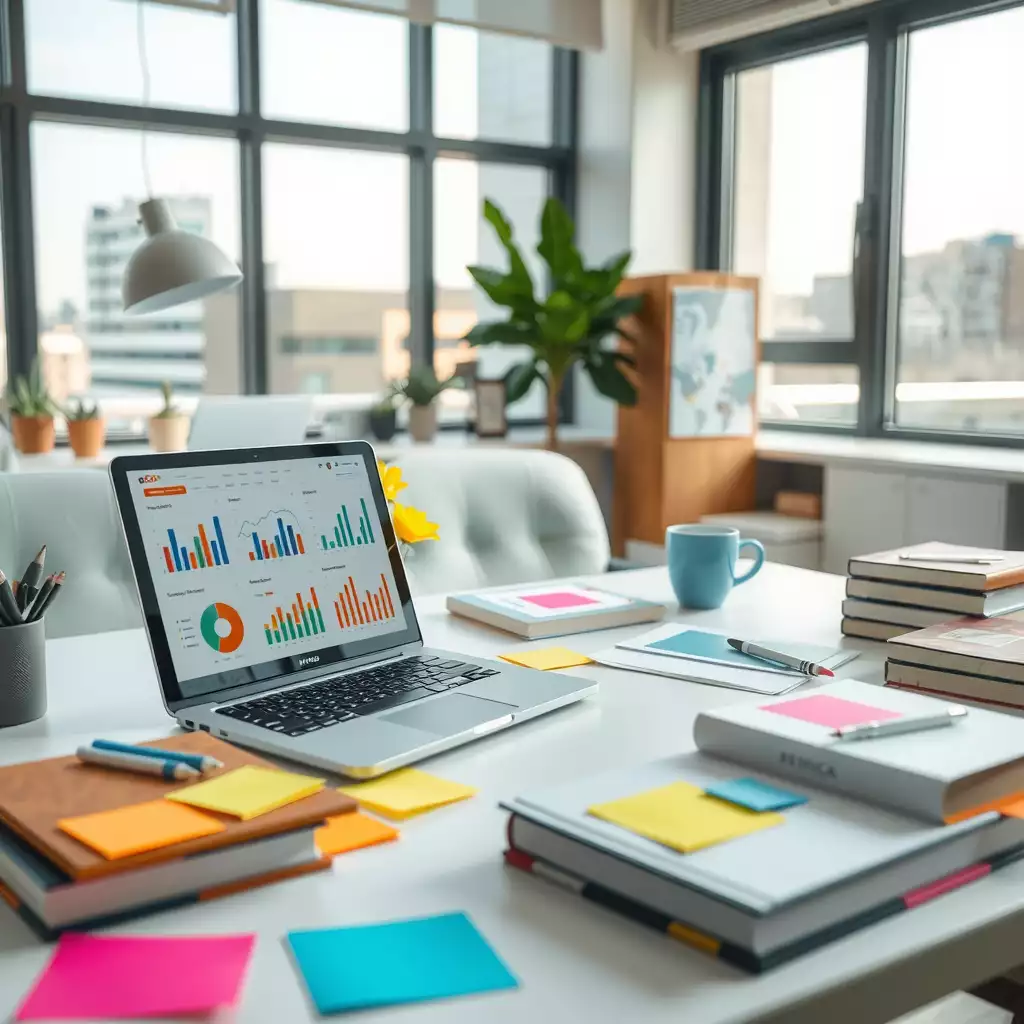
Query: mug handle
x=758, y=561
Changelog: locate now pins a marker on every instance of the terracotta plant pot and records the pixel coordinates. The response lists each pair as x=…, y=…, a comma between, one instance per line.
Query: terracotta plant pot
x=86, y=437
x=422, y=422
x=168, y=433
x=33, y=435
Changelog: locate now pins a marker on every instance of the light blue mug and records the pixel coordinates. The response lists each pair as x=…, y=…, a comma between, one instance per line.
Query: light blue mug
x=702, y=563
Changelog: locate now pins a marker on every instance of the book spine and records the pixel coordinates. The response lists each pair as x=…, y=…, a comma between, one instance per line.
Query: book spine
x=824, y=767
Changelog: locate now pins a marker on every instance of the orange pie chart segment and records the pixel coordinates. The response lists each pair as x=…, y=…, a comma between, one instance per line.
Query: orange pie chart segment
x=221, y=627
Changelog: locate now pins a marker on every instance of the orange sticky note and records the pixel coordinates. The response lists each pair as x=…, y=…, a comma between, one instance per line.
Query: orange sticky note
x=352, y=831
x=140, y=827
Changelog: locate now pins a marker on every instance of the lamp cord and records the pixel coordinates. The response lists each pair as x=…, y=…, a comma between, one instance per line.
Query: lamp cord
x=140, y=31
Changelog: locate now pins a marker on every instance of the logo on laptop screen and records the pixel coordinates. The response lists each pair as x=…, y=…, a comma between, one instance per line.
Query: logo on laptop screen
x=311, y=660
x=149, y=478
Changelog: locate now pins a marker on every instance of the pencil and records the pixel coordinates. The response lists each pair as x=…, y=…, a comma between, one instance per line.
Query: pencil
x=58, y=582
x=29, y=586
x=33, y=613
x=7, y=602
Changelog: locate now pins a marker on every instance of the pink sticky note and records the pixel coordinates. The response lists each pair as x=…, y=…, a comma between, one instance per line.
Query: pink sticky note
x=90, y=978
x=559, y=599
x=833, y=712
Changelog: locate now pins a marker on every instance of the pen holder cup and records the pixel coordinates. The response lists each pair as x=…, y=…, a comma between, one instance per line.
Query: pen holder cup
x=22, y=673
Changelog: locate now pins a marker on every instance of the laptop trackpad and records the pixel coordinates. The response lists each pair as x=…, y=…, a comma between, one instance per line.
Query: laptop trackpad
x=448, y=716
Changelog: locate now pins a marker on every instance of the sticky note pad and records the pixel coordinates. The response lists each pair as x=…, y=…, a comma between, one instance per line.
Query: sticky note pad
x=407, y=792
x=99, y=978
x=682, y=817
x=399, y=962
x=832, y=712
x=755, y=795
x=547, y=659
x=139, y=827
x=352, y=831
x=248, y=792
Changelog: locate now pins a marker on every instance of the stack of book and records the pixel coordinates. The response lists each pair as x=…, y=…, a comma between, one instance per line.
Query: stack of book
x=973, y=661
x=791, y=840
x=895, y=592
x=55, y=883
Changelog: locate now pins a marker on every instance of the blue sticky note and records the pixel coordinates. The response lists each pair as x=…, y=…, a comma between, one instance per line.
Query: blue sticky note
x=755, y=795
x=399, y=962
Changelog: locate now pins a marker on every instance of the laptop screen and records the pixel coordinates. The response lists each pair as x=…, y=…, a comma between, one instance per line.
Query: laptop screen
x=259, y=567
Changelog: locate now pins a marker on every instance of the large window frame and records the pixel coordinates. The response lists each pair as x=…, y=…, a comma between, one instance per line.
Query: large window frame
x=250, y=129
x=885, y=27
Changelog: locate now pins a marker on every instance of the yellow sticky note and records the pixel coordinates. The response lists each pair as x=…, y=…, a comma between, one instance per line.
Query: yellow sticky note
x=407, y=792
x=248, y=792
x=352, y=831
x=139, y=827
x=547, y=659
x=683, y=817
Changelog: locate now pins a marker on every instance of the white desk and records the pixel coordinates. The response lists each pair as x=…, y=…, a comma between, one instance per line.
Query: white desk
x=576, y=961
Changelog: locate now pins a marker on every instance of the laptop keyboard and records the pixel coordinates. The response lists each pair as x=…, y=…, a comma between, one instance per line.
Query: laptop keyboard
x=328, y=702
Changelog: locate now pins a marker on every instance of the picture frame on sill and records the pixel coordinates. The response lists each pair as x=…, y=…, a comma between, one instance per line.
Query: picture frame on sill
x=491, y=418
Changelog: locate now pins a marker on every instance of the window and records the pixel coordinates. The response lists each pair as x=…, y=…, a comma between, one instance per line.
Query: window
x=339, y=156
x=336, y=230
x=461, y=238
x=874, y=192
x=87, y=184
x=90, y=51
x=959, y=323
x=491, y=86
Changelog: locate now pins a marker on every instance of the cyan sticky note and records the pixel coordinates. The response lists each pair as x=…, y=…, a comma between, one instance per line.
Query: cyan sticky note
x=398, y=962
x=755, y=795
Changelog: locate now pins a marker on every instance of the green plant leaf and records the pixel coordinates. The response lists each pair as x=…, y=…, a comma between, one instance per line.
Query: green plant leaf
x=519, y=379
x=517, y=267
x=498, y=332
x=556, y=246
x=609, y=380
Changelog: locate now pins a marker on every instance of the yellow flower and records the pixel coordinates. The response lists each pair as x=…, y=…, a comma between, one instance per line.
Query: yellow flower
x=411, y=524
x=391, y=478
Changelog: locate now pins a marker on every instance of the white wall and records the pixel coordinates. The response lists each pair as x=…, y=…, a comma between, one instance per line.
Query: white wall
x=637, y=156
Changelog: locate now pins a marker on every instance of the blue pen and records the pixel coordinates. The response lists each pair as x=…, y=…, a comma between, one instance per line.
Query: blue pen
x=133, y=763
x=200, y=762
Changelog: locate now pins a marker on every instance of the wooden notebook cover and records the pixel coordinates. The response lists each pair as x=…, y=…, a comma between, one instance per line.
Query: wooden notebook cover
x=36, y=795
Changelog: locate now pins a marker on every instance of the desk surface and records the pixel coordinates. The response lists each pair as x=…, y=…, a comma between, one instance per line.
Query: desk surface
x=575, y=961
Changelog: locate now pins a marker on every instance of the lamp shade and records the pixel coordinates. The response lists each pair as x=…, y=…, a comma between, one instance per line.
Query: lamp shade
x=172, y=266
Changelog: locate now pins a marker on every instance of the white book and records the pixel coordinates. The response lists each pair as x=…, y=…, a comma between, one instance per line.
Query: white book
x=935, y=774
x=894, y=614
x=994, y=602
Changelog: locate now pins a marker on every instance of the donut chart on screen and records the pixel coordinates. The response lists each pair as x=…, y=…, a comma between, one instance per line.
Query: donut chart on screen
x=221, y=627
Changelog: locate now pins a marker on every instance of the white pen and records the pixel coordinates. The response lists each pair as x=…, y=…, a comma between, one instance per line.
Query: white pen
x=896, y=726
x=136, y=763
x=954, y=559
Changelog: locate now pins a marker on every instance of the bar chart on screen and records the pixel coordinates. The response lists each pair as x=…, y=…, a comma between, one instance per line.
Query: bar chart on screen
x=342, y=534
x=360, y=607
x=295, y=619
x=274, y=535
x=206, y=551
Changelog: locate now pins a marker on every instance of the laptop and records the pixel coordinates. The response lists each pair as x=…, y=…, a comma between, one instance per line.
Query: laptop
x=248, y=421
x=279, y=616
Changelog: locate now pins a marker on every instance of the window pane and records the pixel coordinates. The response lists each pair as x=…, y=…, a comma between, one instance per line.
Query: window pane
x=798, y=177
x=462, y=237
x=819, y=394
x=91, y=50
x=321, y=63
x=491, y=86
x=961, y=309
x=87, y=185
x=336, y=239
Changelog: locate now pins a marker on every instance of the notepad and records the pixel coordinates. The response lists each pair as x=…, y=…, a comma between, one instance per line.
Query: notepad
x=547, y=659
x=248, y=792
x=352, y=831
x=682, y=817
x=139, y=827
x=407, y=792
x=399, y=962
x=112, y=978
x=755, y=795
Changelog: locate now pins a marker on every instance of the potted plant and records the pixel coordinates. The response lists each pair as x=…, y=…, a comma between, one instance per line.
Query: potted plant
x=85, y=428
x=168, y=429
x=421, y=388
x=567, y=327
x=31, y=408
x=382, y=419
